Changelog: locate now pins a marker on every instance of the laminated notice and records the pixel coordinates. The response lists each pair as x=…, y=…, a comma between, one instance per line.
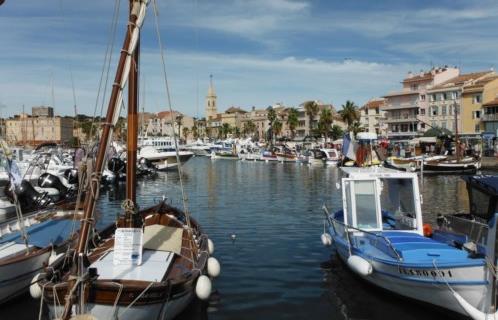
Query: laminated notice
x=128, y=243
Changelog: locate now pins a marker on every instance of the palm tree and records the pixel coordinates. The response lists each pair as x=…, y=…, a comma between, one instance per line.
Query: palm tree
x=336, y=132
x=178, y=121
x=326, y=120
x=349, y=113
x=272, y=117
x=185, y=131
x=293, y=120
x=225, y=130
x=236, y=132
x=248, y=128
x=277, y=127
x=311, y=109
x=195, y=132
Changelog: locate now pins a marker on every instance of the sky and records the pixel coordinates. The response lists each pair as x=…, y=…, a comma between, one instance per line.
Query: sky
x=260, y=52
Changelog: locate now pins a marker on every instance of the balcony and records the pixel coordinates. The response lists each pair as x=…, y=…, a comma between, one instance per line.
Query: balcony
x=489, y=117
x=398, y=106
x=402, y=134
x=399, y=119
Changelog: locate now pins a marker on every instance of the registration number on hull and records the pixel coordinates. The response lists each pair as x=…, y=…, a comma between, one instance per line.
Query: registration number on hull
x=425, y=273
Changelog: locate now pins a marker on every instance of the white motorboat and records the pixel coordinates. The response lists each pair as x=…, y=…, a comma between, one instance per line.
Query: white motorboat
x=163, y=159
x=332, y=157
x=379, y=234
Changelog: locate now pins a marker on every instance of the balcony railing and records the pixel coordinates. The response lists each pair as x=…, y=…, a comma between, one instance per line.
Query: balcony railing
x=489, y=117
x=396, y=119
x=397, y=106
x=401, y=133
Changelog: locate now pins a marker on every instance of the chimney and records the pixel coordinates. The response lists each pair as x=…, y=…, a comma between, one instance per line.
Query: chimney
x=410, y=74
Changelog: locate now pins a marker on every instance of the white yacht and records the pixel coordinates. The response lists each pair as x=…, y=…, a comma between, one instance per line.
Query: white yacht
x=161, y=152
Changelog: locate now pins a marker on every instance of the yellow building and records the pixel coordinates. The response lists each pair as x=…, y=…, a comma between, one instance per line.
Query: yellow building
x=473, y=96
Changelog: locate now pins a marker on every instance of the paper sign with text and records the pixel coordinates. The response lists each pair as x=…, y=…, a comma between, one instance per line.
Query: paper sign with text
x=128, y=244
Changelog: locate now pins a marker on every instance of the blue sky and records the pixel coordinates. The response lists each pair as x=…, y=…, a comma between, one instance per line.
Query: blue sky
x=259, y=51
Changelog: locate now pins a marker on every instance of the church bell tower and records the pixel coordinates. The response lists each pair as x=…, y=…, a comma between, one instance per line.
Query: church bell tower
x=211, y=109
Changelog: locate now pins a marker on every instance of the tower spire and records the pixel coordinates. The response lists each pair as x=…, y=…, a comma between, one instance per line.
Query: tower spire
x=211, y=108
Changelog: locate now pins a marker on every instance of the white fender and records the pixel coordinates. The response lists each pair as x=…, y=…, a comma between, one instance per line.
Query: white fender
x=472, y=311
x=213, y=267
x=360, y=265
x=210, y=246
x=326, y=239
x=35, y=289
x=54, y=257
x=203, y=287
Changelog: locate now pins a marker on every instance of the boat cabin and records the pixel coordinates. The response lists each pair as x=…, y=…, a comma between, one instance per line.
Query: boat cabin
x=380, y=199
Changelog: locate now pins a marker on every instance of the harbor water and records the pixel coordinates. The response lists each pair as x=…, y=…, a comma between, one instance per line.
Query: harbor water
x=266, y=220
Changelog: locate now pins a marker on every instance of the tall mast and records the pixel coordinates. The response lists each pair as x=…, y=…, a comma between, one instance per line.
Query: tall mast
x=137, y=14
x=131, y=150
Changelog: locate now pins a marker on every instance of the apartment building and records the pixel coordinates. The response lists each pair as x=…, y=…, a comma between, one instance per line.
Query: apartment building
x=448, y=96
x=406, y=110
x=372, y=116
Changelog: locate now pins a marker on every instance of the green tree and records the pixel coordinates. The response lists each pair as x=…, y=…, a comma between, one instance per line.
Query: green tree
x=325, y=122
x=336, y=132
x=236, y=132
x=225, y=130
x=89, y=129
x=311, y=109
x=277, y=128
x=249, y=128
x=350, y=113
x=195, y=131
x=293, y=120
x=185, y=131
x=179, y=122
x=272, y=117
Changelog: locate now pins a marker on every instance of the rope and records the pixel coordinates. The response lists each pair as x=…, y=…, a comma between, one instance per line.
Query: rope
x=168, y=95
x=114, y=307
x=136, y=299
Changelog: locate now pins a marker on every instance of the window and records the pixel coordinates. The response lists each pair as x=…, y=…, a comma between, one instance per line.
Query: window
x=414, y=87
x=422, y=125
x=477, y=128
x=443, y=110
x=434, y=110
x=377, y=110
x=477, y=98
x=454, y=95
x=476, y=114
x=422, y=97
x=433, y=97
x=365, y=200
x=443, y=124
x=443, y=96
x=422, y=111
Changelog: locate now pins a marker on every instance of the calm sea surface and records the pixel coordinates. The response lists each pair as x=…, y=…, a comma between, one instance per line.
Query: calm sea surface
x=276, y=268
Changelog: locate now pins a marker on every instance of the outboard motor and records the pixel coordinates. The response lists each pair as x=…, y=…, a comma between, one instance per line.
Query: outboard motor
x=116, y=165
x=48, y=180
x=71, y=176
x=29, y=198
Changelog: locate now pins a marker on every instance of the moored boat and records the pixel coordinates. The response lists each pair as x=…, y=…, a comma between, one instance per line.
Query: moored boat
x=379, y=234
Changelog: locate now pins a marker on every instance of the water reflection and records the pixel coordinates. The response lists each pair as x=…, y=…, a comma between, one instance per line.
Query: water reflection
x=273, y=269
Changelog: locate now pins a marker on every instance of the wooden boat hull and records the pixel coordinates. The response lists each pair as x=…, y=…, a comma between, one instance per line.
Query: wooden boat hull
x=162, y=300
x=224, y=156
x=160, y=310
x=443, y=167
x=287, y=158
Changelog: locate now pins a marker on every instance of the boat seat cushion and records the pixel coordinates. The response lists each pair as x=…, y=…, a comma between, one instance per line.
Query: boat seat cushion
x=163, y=238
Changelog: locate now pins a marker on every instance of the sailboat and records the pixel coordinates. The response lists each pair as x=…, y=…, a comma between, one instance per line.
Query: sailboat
x=149, y=264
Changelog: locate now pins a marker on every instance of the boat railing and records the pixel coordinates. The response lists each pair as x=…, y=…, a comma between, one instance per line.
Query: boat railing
x=344, y=230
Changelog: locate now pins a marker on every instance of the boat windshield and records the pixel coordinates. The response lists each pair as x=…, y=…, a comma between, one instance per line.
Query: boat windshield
x=397, y=201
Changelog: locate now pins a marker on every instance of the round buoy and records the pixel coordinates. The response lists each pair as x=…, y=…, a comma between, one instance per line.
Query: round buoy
x=210, y=246
x=213, y=267
x=233, y=236
x=427, y=228
x=35, y=289
x=326, y=239
x=203, y=288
